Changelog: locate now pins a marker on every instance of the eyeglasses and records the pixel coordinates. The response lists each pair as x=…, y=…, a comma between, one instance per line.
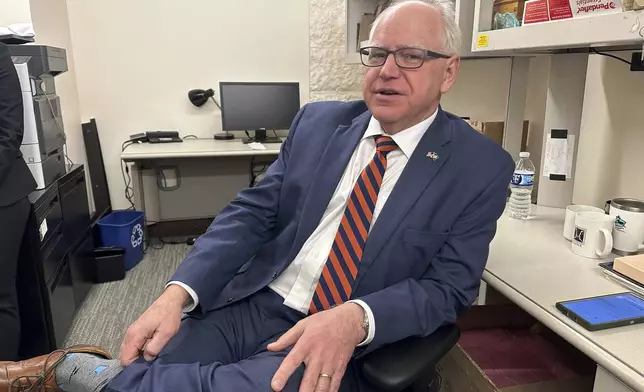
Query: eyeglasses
x=407, y=58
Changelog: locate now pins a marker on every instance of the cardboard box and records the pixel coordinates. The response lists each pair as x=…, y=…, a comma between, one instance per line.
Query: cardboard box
x=502, y=350
x=507, y=13
x=494, y=130
x=509, y=7
x=631, y=266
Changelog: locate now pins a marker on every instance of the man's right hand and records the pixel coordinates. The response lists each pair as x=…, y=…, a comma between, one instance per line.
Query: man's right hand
x=155, y=327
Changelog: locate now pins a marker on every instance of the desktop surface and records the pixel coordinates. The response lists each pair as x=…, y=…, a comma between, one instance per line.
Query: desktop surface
x=196, y=148
x=531, y=263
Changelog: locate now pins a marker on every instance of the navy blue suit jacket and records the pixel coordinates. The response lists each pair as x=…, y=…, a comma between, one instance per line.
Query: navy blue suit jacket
x=426, y=253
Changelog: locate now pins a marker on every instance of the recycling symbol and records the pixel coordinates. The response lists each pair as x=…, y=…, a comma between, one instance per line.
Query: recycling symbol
x=137, y=236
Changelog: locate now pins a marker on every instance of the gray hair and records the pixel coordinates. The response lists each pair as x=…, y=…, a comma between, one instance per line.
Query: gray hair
x=451, y=31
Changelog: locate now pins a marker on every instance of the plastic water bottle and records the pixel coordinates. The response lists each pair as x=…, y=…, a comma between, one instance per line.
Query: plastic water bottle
x=521, y=188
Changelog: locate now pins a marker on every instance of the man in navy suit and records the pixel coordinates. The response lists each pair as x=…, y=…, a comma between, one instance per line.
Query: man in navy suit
x=372, y=226
x=16, y=183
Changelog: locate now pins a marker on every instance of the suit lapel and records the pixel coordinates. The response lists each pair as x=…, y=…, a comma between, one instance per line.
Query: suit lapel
x=417, y=175
x=332, y=165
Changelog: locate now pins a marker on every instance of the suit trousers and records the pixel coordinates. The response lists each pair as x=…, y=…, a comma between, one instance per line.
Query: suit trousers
x=223, y=352
x=13, y=220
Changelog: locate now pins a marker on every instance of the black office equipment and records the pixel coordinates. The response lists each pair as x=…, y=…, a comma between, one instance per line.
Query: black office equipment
x=55, y=268
x=16, y=39
x=604, y=311
x=259, y=107
x=155, y=137
x=164, y=137
x=110, y=264
x=96, y=166
x=199, y=97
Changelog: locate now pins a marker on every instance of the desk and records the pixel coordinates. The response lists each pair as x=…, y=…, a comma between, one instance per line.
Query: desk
x=212, y=172
x=195, y=148
x=531, y=264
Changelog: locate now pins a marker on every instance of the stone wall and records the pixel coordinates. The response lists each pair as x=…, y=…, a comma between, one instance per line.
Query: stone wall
x=331, y=77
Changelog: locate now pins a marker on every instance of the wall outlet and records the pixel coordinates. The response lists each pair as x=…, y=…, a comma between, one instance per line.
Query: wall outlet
x=637, y=64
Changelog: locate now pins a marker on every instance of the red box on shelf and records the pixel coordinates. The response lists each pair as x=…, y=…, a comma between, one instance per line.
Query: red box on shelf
x=536, y=11
x=559, y=9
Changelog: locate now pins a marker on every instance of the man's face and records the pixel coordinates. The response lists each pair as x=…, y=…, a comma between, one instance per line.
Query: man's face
x=400, y=98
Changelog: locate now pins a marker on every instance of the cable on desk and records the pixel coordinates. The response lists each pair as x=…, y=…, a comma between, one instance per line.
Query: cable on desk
x=148, y=244
x=595, y=51
x=275, y=133
x=253, y=173
x=126, y=144
x=148, y=241
x=125, y=172
x=190, y=137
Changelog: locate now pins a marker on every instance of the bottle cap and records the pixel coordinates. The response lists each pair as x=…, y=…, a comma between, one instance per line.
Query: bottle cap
x=524, y=154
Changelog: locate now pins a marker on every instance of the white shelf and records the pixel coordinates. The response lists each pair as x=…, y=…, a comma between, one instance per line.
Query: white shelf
x=355, y=8
x=353, y=58
x=614, y=30
x=354, y=11
x=465, y=20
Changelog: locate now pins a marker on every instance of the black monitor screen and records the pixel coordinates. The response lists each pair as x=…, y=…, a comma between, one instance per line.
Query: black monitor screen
x=251, y=106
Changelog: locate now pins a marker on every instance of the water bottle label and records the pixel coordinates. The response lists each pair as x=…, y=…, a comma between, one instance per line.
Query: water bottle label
x=523, y=179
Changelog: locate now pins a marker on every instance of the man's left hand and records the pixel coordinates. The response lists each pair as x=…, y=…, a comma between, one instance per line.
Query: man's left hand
x=324, y=342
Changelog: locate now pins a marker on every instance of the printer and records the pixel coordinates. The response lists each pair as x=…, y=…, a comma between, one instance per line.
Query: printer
x=44, y=136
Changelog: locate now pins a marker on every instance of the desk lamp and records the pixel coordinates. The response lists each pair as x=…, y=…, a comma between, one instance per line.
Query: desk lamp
x=199, y=97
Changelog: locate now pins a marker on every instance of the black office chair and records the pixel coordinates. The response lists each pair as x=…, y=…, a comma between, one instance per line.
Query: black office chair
x=409, y=365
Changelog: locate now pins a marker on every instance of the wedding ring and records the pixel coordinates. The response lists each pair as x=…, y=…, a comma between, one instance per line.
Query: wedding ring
x=325, y=375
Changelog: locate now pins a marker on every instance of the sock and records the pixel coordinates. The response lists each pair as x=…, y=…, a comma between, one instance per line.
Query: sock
x=86, y=372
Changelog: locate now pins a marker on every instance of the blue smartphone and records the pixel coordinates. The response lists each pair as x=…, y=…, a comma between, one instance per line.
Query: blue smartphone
x=606, y=311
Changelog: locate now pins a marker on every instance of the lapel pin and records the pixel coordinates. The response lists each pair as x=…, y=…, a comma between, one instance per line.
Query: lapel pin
x=432, y=155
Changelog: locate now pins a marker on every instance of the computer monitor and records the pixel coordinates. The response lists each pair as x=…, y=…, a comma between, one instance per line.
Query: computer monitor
x=258, y=107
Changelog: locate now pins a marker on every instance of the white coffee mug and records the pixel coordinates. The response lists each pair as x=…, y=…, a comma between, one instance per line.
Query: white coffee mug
x=571, y=214
x=628, y=233
x=592, y=236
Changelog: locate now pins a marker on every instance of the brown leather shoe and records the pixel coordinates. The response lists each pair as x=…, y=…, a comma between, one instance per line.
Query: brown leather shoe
x=39, y=374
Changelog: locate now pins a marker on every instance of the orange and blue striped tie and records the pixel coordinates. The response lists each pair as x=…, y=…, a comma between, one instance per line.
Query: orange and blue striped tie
x=341, y=268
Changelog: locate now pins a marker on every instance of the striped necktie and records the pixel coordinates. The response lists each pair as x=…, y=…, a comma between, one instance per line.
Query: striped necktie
x=341, y=268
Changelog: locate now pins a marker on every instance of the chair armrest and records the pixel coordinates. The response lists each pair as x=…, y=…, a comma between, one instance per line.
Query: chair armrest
x=398, y=365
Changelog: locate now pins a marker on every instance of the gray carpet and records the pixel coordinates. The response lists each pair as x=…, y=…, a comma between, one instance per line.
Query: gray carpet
x=111, y=307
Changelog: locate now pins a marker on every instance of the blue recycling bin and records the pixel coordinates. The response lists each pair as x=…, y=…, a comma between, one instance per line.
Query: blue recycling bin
x=124, y=229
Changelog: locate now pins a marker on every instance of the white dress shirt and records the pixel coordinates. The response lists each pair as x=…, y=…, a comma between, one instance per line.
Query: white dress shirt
x=298, y=282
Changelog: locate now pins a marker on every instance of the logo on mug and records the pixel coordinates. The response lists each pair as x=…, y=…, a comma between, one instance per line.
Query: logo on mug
x=579, y=236
x=620, y=224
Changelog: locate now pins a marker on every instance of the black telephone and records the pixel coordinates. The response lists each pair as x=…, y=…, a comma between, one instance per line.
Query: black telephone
x=157, y=137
